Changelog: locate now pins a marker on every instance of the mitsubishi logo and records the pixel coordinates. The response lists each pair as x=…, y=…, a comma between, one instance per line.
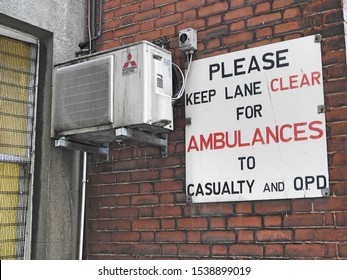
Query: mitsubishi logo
x=130, y=65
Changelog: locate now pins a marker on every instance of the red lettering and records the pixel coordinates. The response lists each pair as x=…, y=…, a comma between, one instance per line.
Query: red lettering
x=218, y=140
x=206, y=144
x=272, y=85
x=283, y=139
x=298, y=131
x=192, y=145
x=239, y=137
x=269, y=134
x=227, y=140
x=312, y=127
x=258, y=137
x=315, y=77
x=304, y=81
x=293, y=81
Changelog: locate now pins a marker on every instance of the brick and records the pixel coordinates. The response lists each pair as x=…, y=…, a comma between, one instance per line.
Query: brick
x=304, y=234
x=244, y=221
x=146, y=15
x=240, y=13
x=273, y=250
x=146, y=236
x=215, y=8
x=167, y=186
x=169, y=249
x=298, y=220
x=341, y=219
x=277, y=4
x=218, y=237
x=337, y=100
x=123, y=225
x=302, y=205
x=304, y=250
x=167, y=198
x=145, y=175
x=167, y=211
x=170, y=236
x=342, y=250
x=331, y=234
x=214, y=32
x=274, y=235
x=167, y=223
x=251, y=250
x=291, y=26
x=336, y=115
x=339, y=158
x=125, y=189
x=124, y=165
x=238, y=38
x=214, y=20
x=264, y=32
x=145, y=212
x=192, y=223
x=184, y=5
x=216, y=209
x=145, y=224
x=191, y=250
x=264, y=19
x=193, y=237
x=146, y=249
x=262, y=7
x=219, y=250
x=272, y=221
x=147, y=199
x=124, y=212
x=125, y=236
x=330, y=204
x=244, y=235
x=217, y=222
x=168, y=20
x=272, y=206
x=291, y=13
x=243, y=207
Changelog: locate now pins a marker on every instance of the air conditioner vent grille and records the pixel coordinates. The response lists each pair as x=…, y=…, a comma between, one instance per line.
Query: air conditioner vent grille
x=84, y=94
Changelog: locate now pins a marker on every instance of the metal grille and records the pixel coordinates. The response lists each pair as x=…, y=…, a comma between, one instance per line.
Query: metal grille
x=17, y=93
x=83, y=94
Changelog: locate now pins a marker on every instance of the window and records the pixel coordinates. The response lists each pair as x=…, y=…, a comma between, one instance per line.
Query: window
x=18, y=71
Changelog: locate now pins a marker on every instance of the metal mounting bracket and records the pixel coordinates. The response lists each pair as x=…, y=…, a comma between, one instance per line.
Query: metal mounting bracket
x=67, y=144
x=124, y=133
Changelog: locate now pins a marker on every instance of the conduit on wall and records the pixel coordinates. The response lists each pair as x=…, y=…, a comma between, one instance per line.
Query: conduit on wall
x=89, y=46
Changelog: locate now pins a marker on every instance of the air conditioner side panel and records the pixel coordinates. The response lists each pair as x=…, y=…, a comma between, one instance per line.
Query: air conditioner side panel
x=130, y=91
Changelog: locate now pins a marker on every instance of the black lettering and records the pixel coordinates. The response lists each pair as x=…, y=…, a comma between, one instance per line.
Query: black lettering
x=238, y=66
x=255, y=66
x=188, y=99
x=223, y=72
x=214, y=68
x=281, y=60
x=266, y=58
x=208, y=188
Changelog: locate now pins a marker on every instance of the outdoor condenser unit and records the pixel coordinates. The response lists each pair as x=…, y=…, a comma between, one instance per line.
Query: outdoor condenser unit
x=127, y=87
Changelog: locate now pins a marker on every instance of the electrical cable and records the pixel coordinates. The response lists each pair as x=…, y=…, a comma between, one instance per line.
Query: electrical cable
x=184, y=77
x=89, y=28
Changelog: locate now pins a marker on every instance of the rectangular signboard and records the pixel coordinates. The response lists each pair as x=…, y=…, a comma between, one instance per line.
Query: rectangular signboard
x=257, y=125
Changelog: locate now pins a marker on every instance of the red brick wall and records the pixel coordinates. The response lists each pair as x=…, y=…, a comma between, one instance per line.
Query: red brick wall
x=136, y=204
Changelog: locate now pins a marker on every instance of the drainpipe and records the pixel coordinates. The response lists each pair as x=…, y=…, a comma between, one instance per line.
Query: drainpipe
x=83, y=199
x=85, y=46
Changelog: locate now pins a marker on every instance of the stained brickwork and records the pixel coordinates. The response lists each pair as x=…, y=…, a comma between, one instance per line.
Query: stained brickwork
x=136, y=204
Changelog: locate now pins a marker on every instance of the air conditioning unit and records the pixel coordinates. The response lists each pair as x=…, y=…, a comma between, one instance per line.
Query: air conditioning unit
x=127, y=87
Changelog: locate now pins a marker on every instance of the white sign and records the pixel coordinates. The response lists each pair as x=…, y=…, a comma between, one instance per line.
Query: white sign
x=257, y=124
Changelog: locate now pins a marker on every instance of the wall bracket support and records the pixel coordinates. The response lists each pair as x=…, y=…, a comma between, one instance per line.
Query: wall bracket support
x=124, y=133
x=67, y=144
